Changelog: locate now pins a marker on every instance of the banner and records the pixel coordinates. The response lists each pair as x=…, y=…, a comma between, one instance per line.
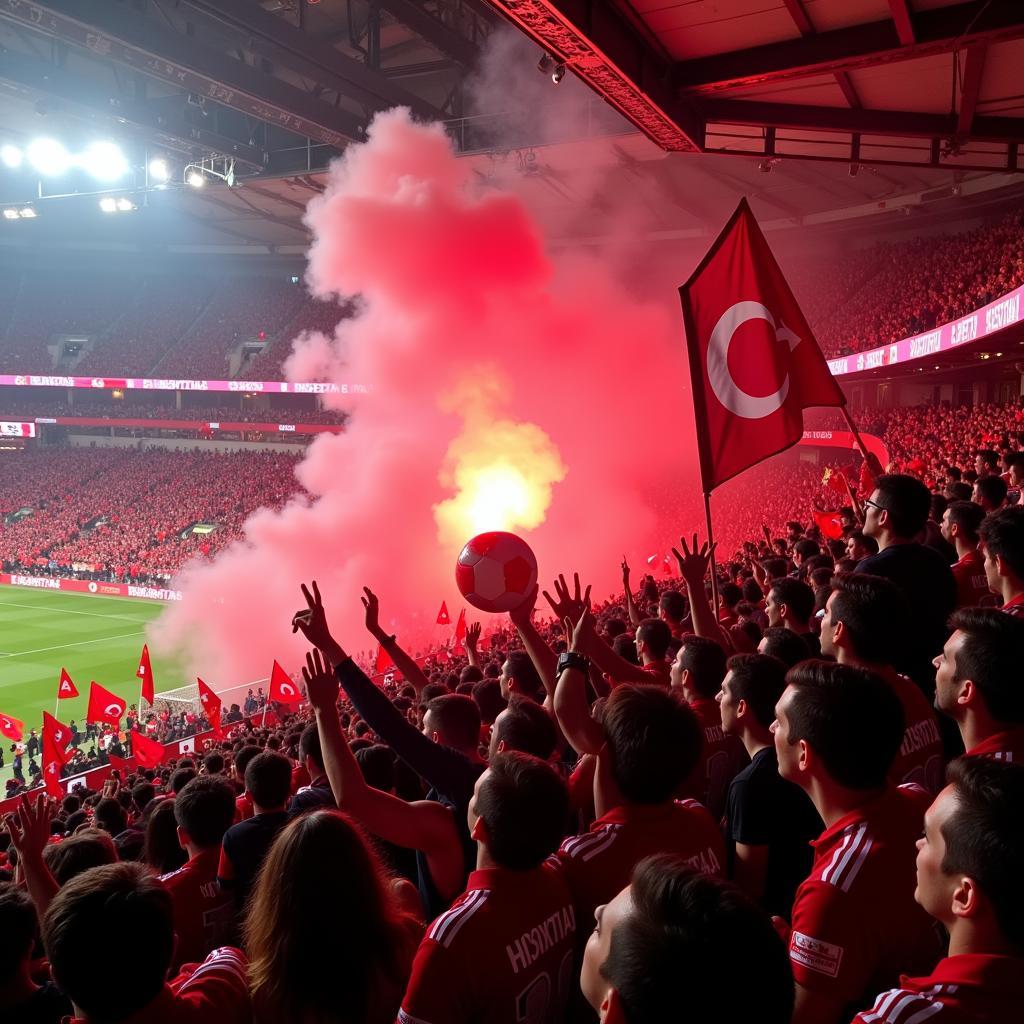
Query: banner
x=235, y=427
x=9, y=429
x=265, y=387
x=130, y=590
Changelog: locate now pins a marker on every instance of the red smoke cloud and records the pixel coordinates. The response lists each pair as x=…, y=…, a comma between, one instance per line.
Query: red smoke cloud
x=480, y=350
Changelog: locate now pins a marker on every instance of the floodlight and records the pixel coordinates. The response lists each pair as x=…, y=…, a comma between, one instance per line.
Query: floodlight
x=10, y=214
x=158, y=169
x=48, y=157
x=124, y=205
x=104, y=161
x=195, y=179
x=11, y=156
x=108, y=204
x=27, y=213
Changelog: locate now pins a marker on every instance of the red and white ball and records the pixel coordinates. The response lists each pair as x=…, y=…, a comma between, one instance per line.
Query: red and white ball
x=496, y=571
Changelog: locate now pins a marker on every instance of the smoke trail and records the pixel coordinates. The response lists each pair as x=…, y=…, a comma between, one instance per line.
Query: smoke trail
x=502, y=384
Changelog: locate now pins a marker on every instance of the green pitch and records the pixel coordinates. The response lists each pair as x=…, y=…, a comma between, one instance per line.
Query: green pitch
x=97, y=638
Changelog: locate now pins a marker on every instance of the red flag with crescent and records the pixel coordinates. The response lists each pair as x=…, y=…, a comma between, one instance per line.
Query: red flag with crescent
x=754, y=363
x=282, y=689
x=211, y=706
x=104, y=706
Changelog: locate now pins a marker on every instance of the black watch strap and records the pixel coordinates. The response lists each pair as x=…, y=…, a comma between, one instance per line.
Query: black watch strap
x=572, y=659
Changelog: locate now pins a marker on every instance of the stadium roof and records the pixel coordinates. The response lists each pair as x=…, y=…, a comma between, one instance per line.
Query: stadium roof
x=915, y=104
x=919, y=82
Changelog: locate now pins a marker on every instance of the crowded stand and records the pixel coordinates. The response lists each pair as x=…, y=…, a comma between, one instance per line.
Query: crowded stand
x=893, y=290
x=126, y=515
x=586, y=811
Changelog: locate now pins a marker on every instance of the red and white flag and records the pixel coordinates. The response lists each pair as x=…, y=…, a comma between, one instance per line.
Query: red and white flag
x=443, y=618
x=59, y=735
x=754, y=363
x=51, y=776
x=121, y=763
x=11, y=727
x=145, y=673
x=211, y=705
x=104, y=706
x=282, y=689
x=66, y=687
x=148, y=753
x=460, y=626
x=830, y=524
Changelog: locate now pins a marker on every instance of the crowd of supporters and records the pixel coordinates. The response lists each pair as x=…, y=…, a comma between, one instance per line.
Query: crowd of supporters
x=127, y=515
x=893, y=290
x=178, y=326
x=788, y=793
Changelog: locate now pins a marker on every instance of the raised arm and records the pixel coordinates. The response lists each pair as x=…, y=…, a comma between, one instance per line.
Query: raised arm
x=421, y=825
x=29, y=828
x=405, y=664
x=543, y=658
x=472, y=639
x=631, y=608
x=568, y=605
x=572, y=709
x=693, y=567
x=439, y=766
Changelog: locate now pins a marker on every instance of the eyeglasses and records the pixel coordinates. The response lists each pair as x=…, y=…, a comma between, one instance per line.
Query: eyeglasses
x=874, y=504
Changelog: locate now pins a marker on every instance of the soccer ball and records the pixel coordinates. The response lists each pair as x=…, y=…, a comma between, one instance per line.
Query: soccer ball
x=496, y=571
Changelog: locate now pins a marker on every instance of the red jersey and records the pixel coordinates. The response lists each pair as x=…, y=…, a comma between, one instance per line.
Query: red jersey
x=1001, y=746
x=204, y=915
x=660, y=673
x=971, y=988
x=502, y=954
x=919, y=760
x=721, y=760
x=971, y=583
x=855, y=922
x=215, y=991
x=1015, y=606
x=599, y=863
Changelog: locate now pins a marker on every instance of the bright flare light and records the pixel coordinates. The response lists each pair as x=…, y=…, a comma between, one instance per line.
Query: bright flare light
x=158, y=169
x=195, y=179
x=48, y=157
x=503, y=473
x=104, y=161
x=11, y=156
x=10, y=214
x=124, y=205
x=27, y=213
x=108, y=204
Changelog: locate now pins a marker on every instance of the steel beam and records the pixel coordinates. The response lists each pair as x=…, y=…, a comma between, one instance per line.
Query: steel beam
x=612, y=57
x=860, y=46
x=974, y=67
x=118, y=33
x=426, y=26
x=902, y=20
x=91, y=101
x=308, y=55
x=862, y=122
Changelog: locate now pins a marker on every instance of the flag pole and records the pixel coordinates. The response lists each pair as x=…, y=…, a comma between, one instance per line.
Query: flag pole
x=711, y=540
x=870, y=459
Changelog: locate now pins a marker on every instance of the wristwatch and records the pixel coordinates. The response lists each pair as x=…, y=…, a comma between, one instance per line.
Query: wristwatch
x=572, y=659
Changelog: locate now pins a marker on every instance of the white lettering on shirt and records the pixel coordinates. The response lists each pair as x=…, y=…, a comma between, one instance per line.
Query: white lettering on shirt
x=537, y=941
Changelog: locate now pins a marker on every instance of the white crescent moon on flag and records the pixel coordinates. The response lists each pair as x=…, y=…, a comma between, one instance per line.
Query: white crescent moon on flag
x=113, y=709
x=727, y=391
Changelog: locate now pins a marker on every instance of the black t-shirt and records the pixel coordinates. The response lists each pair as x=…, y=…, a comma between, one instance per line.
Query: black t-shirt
x=47, y=1005
x=244, y=848
x=763, y=809
x=313, y=797
x=928, y=583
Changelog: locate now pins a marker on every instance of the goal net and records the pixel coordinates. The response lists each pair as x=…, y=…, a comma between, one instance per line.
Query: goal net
x=186, y=698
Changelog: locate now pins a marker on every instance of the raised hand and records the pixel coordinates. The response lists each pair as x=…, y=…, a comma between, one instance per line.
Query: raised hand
x=473, y=635
x=625, y=573
x=321, y=682
x=29, y=826
x=523, y=614
x=693, y=563
x=312, y=621
x=372, y=606
x=574, y=632
x=568, y=605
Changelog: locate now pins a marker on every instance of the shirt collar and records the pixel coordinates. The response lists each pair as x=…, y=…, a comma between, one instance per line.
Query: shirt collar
x=994, y=973
x=876, y=808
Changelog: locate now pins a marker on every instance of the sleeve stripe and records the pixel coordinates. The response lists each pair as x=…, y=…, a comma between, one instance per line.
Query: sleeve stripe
x=595, y=848
x=442, y=926
x=408, y=1018
x=225, y=961
x=898, y=1006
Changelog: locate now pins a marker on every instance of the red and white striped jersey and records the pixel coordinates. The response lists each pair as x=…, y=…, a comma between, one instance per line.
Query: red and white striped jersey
x=599, y=863
x=972, y=988
x=856, y=925
x=502, y=954
x=1001, y=746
